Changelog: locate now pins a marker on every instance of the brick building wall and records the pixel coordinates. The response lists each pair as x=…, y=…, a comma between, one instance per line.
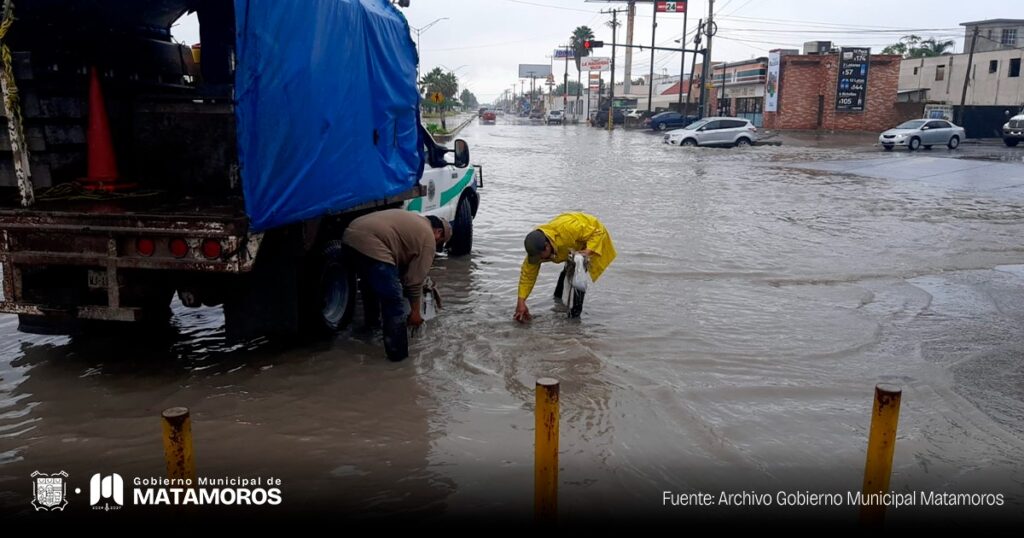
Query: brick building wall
x=808, y=84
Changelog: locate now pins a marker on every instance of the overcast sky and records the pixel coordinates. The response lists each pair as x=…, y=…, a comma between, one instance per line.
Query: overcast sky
x=485, y=40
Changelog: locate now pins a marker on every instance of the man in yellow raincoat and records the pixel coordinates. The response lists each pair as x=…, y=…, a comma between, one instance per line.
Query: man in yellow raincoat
x=553, y=241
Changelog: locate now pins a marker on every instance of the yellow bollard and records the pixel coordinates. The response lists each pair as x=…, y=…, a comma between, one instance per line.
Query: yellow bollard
x=178, y=444
x=545, y=462
x=881, y=444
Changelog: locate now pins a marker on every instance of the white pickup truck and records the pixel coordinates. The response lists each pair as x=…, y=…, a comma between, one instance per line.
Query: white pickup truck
x=1013, y=130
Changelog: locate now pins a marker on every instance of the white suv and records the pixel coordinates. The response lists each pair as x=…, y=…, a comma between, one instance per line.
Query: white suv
x=714, y=132
x=554, y=116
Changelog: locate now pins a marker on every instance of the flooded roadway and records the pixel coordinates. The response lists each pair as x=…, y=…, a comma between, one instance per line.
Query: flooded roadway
x=733, y=345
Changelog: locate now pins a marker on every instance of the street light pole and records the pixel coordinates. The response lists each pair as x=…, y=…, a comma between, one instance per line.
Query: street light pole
x=419, y=31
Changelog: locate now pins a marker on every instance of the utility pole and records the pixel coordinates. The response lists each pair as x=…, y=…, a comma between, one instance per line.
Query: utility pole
x=682, y=64
x=650, y=80
x=630, y=16
x=967, y=75
x=721, y=107
x=693, y=64
x=611, y=91
x=579, y=84
x=565, y=81
x=710, y=30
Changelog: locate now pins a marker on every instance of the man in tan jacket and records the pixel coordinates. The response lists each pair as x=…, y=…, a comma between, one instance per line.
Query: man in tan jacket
x=394, y=251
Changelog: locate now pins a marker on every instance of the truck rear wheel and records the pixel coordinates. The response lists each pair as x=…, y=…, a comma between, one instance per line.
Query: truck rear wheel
x=328, y=297
x=462, y=229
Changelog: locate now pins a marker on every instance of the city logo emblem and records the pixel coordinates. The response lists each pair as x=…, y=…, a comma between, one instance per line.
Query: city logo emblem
x=49, y=491
x=106, y=492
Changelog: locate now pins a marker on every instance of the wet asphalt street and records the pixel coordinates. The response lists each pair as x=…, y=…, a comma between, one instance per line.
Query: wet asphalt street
x=759, y=295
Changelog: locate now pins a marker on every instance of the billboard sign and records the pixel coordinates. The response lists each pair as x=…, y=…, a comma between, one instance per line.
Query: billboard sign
x=771, y=84
x=534, y=70
x=593, y=63
x=852, y=85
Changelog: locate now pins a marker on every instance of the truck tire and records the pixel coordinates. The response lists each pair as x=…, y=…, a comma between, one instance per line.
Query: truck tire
x=1010, y=142
x=328, y=295
x=462, y=229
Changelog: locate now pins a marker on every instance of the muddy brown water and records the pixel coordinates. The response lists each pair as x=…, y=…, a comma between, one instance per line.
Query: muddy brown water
x=732, y=346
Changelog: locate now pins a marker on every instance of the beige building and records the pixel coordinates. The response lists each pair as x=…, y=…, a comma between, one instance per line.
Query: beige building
x=994, y=34
x=995, y=78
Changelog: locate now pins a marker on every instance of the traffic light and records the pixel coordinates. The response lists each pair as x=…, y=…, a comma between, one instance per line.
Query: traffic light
x=591, y=44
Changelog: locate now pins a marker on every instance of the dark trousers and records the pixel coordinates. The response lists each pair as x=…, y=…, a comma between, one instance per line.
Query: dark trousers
x=576, y=297
x=383, y=299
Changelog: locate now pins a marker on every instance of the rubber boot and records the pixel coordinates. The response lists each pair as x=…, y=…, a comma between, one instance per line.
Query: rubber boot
x=577, y=303
x=396, y=339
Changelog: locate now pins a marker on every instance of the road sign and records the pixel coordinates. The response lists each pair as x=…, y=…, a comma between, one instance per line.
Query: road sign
x=593, y=63
x=437, y=98
x=670, y=7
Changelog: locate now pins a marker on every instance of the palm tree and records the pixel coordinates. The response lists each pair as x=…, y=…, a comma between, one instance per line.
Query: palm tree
x=579, y=35
x=912, y=46
x=930, y=47
x=447, y=84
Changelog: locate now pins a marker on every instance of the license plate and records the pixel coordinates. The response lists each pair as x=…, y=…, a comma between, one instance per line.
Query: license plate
x=97, y=279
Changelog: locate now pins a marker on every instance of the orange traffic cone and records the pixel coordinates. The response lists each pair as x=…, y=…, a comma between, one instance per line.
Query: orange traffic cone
x=102, y=173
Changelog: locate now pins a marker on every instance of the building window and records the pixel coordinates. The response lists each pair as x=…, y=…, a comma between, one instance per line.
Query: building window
x=1009, y=37
x=1014, y=68
x=915, y=70
x=989, y=37
x=940, y=72
x=993, y=66
x=749, y=105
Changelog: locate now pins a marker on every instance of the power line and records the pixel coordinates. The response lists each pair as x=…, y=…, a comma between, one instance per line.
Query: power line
x=874, y=32
x=739, y=8
x=532, y=39
x=550, y=6
x=790, y=22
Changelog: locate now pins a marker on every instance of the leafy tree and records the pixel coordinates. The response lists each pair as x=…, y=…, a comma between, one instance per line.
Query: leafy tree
x=574, y=88
x=468, y=99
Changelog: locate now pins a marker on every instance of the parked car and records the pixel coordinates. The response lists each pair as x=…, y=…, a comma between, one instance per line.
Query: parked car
x=554, y=116
x=714, y=132
x=670, y=120
x=1013, y=130
x=924, y=132
x=601, y=118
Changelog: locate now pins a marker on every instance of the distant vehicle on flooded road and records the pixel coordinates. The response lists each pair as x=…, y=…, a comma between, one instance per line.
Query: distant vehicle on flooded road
x=714, y=132
x=926, y=133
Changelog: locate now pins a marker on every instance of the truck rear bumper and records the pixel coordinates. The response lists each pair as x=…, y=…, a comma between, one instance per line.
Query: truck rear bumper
x=96, y=313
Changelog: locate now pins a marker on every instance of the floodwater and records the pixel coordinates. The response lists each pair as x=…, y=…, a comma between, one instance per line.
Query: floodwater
x=733, y=346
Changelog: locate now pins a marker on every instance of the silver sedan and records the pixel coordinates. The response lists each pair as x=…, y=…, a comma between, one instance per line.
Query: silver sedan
x=917, y=133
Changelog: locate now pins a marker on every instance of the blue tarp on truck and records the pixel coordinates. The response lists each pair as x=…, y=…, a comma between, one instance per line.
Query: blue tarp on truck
x=327, y=106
